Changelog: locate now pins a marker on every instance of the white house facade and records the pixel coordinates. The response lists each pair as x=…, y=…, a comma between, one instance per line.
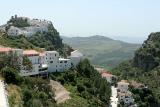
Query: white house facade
x=109, y=77
x=64, y=64
x=122, y=86
x=124, y=94
x=52, y=58
x=36, y=25
x=42, y=62
x=76, y=57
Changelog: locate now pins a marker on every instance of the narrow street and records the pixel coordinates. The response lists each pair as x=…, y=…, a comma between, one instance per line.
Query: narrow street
x=3, y=98
x=114, y=99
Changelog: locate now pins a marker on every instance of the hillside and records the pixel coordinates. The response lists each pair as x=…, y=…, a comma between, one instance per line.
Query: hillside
x=26, y=33
x=145, y=68
x=101, y=50
x=84, y=83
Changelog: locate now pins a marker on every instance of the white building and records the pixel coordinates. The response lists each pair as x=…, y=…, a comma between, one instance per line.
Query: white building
x=124, y=94
x=42, y=62
x=108, y=77
x=52, y=58
x=64, y=64
x=38, y=63
x=126, y=97
x=5, y=50
x=122, y=86
x=35, y=26
x=76, y=57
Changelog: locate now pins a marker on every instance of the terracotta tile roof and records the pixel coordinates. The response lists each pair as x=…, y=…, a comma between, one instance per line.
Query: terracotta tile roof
x=137, y=85
x=76, y=53
x=30, y=52
x=101, y=70
x=123, y=82
x=105, y=74
x=5, y=49
x=42, y=54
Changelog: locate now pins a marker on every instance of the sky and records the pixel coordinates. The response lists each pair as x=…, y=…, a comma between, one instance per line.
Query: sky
x=128, y=20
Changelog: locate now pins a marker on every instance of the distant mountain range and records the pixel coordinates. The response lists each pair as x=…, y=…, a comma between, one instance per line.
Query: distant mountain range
x=102, y=51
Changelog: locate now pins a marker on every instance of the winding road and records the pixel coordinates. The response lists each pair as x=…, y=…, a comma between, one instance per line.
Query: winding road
x=114, y=99
x=3, y=97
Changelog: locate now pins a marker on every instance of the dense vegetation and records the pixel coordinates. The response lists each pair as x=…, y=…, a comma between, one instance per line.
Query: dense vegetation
x=144, y=67
x=49, y=41
x=101, y=50
x=87, y=82
x=148, y=56
x=24, y=91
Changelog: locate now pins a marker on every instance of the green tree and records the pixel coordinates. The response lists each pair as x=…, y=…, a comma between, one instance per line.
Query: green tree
x=11, y=75
x=80, y=88
x=34, y=103
x=27, y=63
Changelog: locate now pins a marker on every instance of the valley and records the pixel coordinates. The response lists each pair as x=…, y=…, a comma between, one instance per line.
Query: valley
x=103, y=51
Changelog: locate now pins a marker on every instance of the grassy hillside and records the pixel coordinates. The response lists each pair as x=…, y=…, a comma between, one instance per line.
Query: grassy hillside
x=49, y=41
x=101, y=50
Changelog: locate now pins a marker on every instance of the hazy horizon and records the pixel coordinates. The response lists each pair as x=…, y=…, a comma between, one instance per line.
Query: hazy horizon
x=130, y=21
x=134, y=40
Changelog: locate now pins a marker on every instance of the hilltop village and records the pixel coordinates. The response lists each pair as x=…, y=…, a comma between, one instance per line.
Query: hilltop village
x=93, y=85
x=35, y=62
x=25, y=26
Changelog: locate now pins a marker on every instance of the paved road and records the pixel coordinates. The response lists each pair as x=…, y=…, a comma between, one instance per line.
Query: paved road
x=114, y=99
x=3, y=98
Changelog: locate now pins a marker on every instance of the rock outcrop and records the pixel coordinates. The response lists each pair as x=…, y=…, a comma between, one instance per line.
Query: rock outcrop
x=25, y=26
x=60, y=94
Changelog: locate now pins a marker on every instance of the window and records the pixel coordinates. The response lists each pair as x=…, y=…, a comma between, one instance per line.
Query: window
x=55, y=54
x=51, y=61
x=61, y=62
x=65, y=61
x=43, y=69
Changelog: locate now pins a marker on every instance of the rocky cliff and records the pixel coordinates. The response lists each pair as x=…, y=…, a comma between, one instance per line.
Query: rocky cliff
x=148, y=56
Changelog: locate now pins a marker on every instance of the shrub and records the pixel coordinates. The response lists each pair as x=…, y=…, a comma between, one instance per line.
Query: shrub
x=61, y=80
x=86, y=95
x=27, y=95
x=11, y=75
x=80, y=88
x=43, y=96
x=34, y=103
